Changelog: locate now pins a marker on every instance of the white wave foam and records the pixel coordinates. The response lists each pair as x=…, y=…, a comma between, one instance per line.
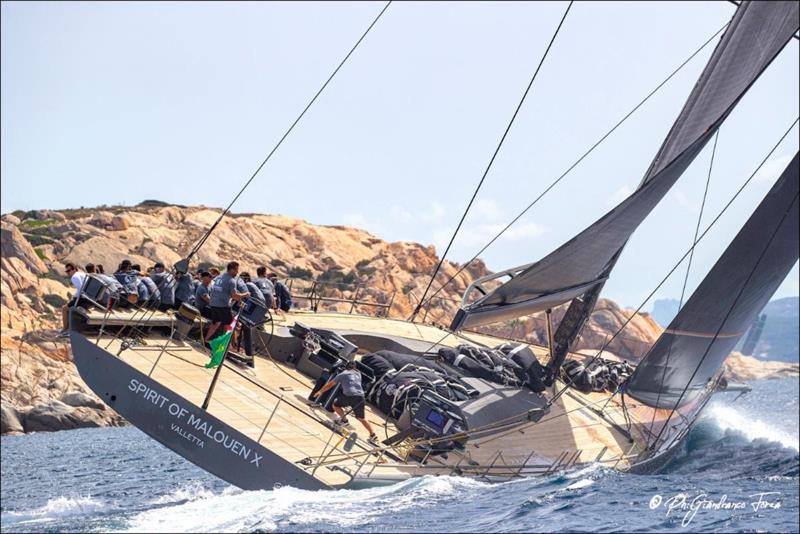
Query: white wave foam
x=57, y=508
x=192, y=491
x=583, y=483
x=727, y=418
x=264, y=510
x=584, y=471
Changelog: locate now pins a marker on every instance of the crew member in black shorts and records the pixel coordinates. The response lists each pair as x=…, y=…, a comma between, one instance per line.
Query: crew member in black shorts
x=350, y=395
x=222, y=292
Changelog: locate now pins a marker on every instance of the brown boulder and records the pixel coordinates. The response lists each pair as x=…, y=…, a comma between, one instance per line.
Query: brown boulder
x=11, y=219
x=9, y=420
x=120, y=223
x=101, y=219
x=14, y=245
x=76, y=399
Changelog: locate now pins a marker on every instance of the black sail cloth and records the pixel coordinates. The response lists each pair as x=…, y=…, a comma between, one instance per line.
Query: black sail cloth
x=694, y=346
x=755, y=36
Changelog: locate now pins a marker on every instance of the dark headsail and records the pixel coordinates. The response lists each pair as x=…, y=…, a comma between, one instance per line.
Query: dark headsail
x=726, y=302
x=755, y=36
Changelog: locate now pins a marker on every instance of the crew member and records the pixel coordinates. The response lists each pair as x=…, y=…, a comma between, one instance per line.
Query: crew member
x=165, y=283
x=78, y=278
x=253, y=289
x=154, y=298
x=350, y=394
x=184, y=290
x=223, y=291
x=266, y=287
x=202, y=297
x=283, y=297
x=125, y=276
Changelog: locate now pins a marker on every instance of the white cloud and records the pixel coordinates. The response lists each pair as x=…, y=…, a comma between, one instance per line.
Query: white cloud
x=681, y=200
x=773, y=168
x=475, y=236
x=524, y=231
x=619, y=195
x=437, y=211
x=362, y=222
x=434, y=212
x=487, y=208
x=402, y=215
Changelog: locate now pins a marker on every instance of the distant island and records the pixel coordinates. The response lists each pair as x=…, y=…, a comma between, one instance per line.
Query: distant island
x=778, y=340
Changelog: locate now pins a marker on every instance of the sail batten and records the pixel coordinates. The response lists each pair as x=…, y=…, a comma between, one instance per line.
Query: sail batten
x=694, y=346
x=756, y=35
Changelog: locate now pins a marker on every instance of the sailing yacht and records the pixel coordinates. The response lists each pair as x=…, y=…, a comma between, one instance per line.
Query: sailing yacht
x=450, y=401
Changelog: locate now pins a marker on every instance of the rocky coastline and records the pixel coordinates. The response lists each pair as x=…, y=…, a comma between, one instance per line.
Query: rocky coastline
x=40, y=389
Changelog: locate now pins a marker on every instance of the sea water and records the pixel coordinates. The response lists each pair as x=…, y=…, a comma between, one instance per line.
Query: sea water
x=738, y=471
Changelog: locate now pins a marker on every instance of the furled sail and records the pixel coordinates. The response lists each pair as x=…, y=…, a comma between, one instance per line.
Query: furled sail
x=755, y=36
x=690, y=352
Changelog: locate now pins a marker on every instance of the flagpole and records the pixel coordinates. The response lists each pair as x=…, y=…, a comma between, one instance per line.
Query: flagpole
x=219, y=367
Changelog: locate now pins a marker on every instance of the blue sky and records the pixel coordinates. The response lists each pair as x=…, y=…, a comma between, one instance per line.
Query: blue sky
x=113, y=103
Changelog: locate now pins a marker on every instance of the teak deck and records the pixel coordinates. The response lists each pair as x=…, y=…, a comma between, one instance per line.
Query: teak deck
x=270, y=400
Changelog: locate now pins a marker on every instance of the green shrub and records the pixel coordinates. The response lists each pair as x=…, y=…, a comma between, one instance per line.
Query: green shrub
x=360, y=265
x=151, y=203
x=39, y=252
x=336, y=276
x=368, y=271
x=55, y=301
x=407, y=289
x=33, y=223
x=277, y=263
x=302, y=274
x=53, y=275
x=37, y=240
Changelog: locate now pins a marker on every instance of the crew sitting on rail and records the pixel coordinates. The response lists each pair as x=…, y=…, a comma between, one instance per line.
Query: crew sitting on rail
x=223, y=291
x=77, y=278
x=113, y=285
x=202, y=297
x=127, y=278
x=154, y=295
x=142, y=290
x=350, y=394
x=283, y=297
x=166, y=286
x=266, y=287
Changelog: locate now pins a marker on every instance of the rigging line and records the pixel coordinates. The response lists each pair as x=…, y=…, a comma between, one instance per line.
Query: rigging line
x=727, y=315
x=688, y=268
x=675, y=267
x=286, y=134
x=491, y=161
x=579, y=160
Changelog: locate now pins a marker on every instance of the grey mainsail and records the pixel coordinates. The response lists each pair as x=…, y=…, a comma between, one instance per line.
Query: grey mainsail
x=756, y=35
x=694, y=346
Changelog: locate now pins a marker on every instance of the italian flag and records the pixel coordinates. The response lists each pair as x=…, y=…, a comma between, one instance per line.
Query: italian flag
x=219, y=345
